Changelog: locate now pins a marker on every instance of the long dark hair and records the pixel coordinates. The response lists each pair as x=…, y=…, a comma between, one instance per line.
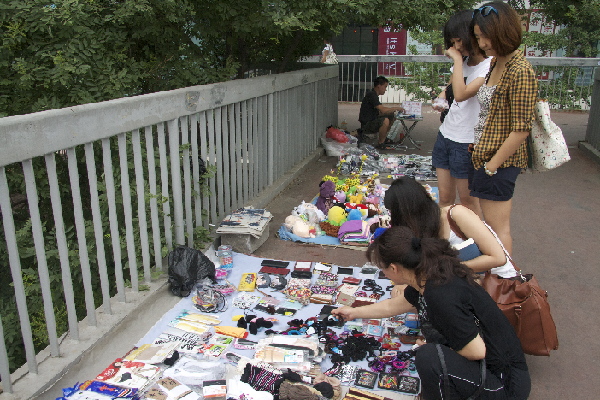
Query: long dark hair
x=459, y=26
x=410, y=205
x=432, y=259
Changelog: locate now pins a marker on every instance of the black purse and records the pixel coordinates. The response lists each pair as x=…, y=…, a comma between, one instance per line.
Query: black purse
x=450, y=99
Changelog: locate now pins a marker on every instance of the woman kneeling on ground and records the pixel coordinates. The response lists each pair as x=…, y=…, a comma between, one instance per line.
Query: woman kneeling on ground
x=467, y=336
x=410, y=205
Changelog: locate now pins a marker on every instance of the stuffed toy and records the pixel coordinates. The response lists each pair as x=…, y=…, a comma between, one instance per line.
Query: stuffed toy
x=385, y=221
x=308, y=209
x=355, y=214
x=371, y=199
x=336, y=216
x=340, y=196
x=352, y=206
x=289, y=221
x=298, y=226
x=326, y=192
x=356, y=199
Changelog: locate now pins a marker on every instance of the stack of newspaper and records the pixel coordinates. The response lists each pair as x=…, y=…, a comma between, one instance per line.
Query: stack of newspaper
x=249, y=221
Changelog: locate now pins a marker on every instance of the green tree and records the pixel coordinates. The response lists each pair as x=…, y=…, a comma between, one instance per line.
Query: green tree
x=61, y=53
x=579, y=34
x=68, y=52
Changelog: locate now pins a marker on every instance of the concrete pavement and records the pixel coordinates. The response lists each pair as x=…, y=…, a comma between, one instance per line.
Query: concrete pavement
x=555, y=224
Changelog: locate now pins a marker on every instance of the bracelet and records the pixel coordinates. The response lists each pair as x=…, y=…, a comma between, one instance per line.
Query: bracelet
x=487, y=171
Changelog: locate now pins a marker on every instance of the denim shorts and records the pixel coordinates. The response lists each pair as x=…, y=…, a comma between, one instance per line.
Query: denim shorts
x=498, y=187
x=448, y=154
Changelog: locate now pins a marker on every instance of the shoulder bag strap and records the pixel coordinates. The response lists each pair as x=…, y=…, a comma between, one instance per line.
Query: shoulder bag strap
x=475, y=395
x=444, y=371
x=483, y=367
x=453, y=224
x=508, y=257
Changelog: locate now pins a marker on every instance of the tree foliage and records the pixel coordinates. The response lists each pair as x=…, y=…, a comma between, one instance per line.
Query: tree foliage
x=579, y=34
x=65, y=52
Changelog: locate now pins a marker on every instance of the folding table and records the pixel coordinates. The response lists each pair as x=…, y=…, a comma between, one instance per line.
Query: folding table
x=407, y=129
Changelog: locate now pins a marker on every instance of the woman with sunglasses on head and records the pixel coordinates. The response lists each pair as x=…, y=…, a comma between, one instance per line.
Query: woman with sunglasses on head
x=451, y=156
x=471, y=349
x=507, y=102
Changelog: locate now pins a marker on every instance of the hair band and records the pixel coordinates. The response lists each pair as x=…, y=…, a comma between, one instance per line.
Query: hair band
x=416, y=243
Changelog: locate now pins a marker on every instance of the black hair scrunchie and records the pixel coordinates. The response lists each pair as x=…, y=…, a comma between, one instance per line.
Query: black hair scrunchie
x=416, y=243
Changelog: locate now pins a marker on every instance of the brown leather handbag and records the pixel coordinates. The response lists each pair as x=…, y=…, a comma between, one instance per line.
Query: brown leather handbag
x=525, y=304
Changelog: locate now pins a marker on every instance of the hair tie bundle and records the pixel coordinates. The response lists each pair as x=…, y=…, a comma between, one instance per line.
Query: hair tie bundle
x=416, y=243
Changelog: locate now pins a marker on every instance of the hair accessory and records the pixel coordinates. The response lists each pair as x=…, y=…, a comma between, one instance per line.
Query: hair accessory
x=416, y=243
x=409, y=384
x=388, y=381
x=263, y=280
x=366, y=379
x=485, y=11
x=278, y=283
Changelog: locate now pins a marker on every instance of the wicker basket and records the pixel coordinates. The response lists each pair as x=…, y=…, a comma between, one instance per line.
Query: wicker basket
x=330, y=230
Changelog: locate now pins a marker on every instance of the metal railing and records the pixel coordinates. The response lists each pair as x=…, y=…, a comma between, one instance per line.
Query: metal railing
x=592, y=135
x=93, y=196
x=565, y=82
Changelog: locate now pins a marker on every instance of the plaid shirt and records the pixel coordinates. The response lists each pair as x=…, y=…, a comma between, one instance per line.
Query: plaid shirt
x=511, y=110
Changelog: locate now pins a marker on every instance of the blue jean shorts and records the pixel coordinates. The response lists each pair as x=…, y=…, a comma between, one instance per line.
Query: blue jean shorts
x=448, y=154
x=498, y=187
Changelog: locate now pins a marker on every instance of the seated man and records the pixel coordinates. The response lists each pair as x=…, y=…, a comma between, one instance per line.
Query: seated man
x=374, y=116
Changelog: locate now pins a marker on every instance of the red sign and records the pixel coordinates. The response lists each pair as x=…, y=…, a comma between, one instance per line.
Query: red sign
x=391, y=42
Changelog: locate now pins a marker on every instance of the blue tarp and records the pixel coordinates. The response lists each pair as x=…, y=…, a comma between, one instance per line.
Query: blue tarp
x=286, y=235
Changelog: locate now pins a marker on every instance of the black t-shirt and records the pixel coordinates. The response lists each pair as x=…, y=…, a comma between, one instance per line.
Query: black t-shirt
x=449, y=314
x=368, y=112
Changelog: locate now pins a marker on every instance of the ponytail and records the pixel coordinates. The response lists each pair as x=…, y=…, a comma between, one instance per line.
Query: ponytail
x=431, y=259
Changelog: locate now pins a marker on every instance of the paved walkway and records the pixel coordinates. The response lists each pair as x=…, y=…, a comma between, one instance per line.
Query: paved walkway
x=555, y=223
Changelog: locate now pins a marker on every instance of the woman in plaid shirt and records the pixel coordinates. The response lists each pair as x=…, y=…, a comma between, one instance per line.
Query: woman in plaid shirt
x=507, y=102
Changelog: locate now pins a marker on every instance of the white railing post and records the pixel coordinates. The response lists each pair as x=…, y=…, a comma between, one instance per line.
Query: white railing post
x=15, y=270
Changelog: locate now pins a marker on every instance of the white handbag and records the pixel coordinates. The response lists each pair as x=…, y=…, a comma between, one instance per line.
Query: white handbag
x=548, y=147
x=331, y=58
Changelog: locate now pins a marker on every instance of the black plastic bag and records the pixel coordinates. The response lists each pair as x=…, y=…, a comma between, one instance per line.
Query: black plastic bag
x=186, y=267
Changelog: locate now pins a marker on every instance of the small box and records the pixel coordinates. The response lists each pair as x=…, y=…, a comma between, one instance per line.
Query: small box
x=247, y=282
x=244, y=243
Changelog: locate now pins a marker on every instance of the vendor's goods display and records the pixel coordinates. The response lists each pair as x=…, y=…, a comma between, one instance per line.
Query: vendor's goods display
x=266, y=335
x=392, y=165
x=347, y=211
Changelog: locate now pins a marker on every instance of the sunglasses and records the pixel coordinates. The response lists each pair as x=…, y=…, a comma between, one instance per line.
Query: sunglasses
x=484, y=11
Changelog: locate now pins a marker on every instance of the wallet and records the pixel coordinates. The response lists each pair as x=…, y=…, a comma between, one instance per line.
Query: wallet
x=345, y=271
x=303, y=266
x=274, y=263
x=351, y=280
x=345, y=299
x=274, y=270
x=301, y=274
x=360, y=303
x=409, y=339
